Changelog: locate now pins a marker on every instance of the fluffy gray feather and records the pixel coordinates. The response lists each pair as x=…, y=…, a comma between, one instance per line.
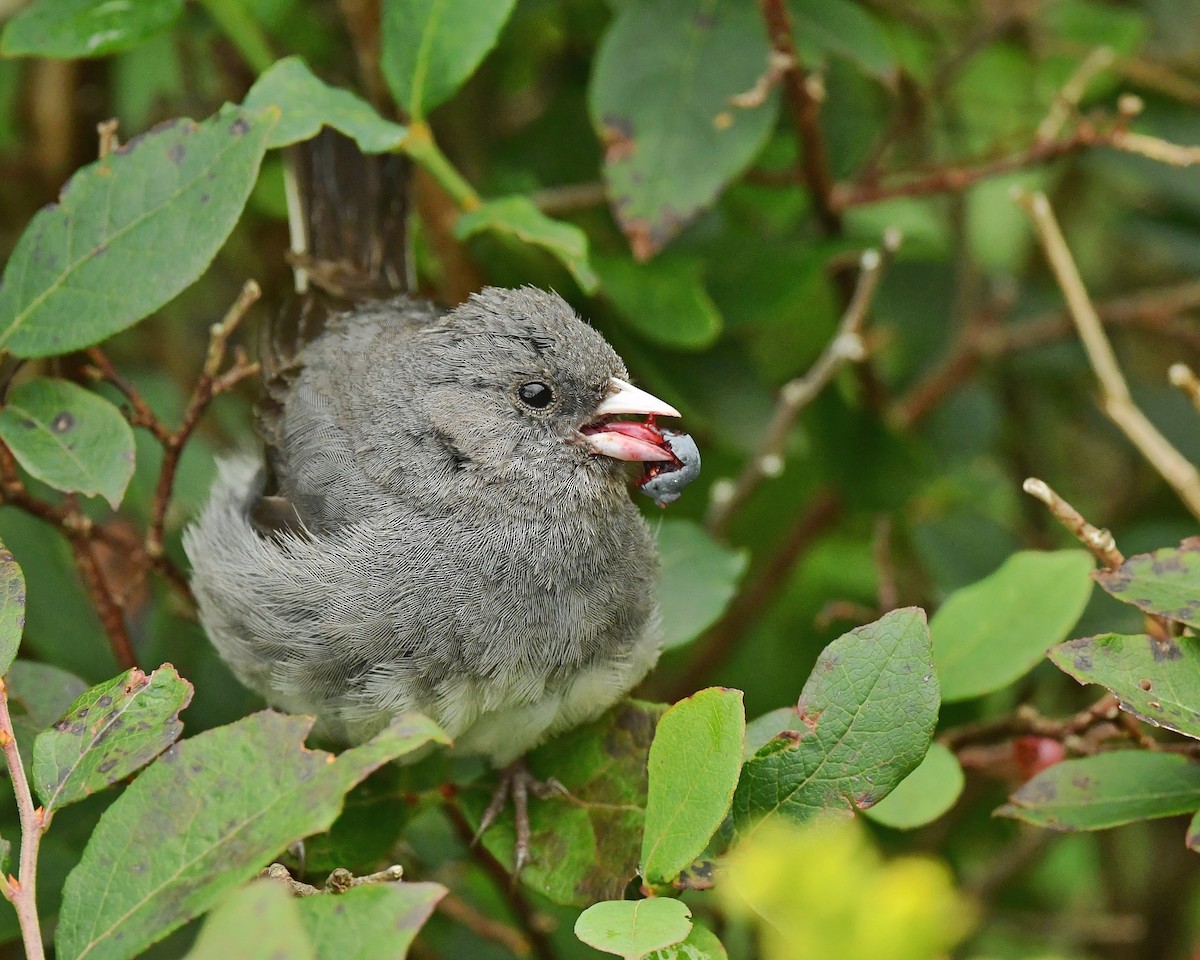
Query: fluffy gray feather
x=437, y=545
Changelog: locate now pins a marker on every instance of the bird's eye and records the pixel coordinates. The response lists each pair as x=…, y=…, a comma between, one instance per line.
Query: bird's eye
x=535, y=394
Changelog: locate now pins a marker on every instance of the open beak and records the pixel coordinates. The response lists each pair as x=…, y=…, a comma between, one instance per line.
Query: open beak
x=627, y=439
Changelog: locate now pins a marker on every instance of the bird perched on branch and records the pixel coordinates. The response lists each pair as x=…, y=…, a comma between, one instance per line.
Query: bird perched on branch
x=442, y=519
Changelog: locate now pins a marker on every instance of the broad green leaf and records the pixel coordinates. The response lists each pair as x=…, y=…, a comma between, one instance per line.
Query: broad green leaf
x=762, y=730
x=12, y=608
x=845, y=29
x=430, y=47
x=207, y=816
x=307, y=104
x=109, y=732
x=664, y=300
x=518, y=217
x=698, y=579
x=924, y=795
x=129, y=232
x=68, y=29
x=701, y=944
x=1165, y=583
x=42, y=691
x=69, y=438
x=585, y=844
x=259, y=922
x=1156, y=681
x=1107, y=790
x=371, y=922
x=634, y=928
x=660, y=104
x=995, y=631
x=693, y=769
x=866, y=717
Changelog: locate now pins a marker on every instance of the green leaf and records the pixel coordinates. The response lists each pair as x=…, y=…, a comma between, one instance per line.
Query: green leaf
x=430, y=47
x=762, y=730
x=693, y=769
x=661, y=106
x=109, y=732
x=699, y=577
x=701, y=944
x=70, y=438
x=1165, y=583
x=129, y=232
x=207, y=816
x=68, y=29
x=42, y=691
x=585, y=844
x=518, y=217
x=633, y=928
x=1156, y=680
x=258, y=922
x=924, y=795
x=995, y=631
x=12, y=608
x=1107, y=790
x=664, y=300
x=307, y=104
x=844, y=29
x=866, y=717
x=370, y=922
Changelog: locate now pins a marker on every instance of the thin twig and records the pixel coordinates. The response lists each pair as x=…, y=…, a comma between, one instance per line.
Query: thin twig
x=483, y=926
x=555, y=201
x=1183, y=377
x=107, y=129
x=532, y=928
x=209, y=385
x=847, y=346
x=1026, y=721
x=1100, y=543
x=1156, y=311
x=804, y=93
x=1117, y=403
x=885, y=570
x=21, y=890
x=1066, y=101
x=108, y=607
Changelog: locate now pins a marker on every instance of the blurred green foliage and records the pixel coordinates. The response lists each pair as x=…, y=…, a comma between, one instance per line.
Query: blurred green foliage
x=706, y=205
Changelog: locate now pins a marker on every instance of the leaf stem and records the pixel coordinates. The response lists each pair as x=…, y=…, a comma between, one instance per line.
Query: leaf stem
x=22, y=892
x=242, y=30
x=420, y=145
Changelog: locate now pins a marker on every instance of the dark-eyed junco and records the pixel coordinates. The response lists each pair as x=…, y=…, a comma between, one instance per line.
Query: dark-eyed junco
x=442, y=521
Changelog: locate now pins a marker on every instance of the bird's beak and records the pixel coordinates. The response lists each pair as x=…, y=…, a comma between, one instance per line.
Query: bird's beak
x=628, y=440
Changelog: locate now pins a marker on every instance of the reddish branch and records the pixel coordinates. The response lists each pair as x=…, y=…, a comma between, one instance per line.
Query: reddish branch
x=803, y=93
x=82, y=534
x=21, y=890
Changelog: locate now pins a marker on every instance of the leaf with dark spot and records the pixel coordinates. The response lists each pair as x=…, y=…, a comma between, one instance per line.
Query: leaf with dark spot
x=1158, y=681
x=584, y=846
x=109, y=732
x=68, y=437
x=659, y=99
x=128, y=233
x=12, y=608
x=257, y=790
x=1165, y=583
x=865, y=724
x=1107, y=790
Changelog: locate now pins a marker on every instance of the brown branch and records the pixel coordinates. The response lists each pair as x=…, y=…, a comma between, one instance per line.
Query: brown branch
x=108, y=608
x=847, y=346
x=107, y=130
x=210, y=384
x=1099, y=542
x=1026, y=721
x=21, y=890
x=983, y=340
x=1183, y=377
x=757, y=595
x=484, y=926
x=803, y=93
x=1117, y=403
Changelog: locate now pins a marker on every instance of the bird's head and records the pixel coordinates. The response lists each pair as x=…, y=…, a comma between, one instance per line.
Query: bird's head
x=522, y=389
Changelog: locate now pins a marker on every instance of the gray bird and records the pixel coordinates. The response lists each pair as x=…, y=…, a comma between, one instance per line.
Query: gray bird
x=442, y=519
x=452, y=530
